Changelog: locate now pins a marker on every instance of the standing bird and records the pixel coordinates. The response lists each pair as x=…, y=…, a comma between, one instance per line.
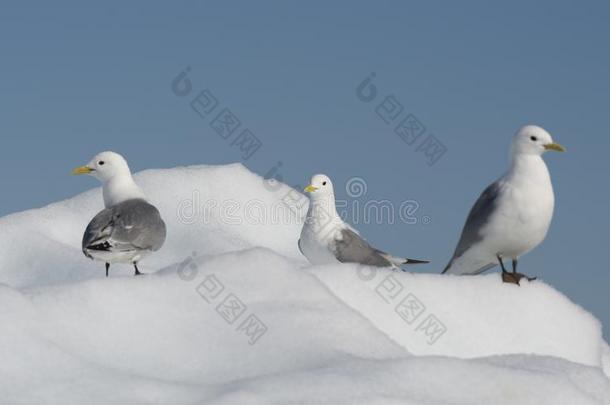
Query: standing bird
x=326, y=239
x=512, y=216
x=129, y=228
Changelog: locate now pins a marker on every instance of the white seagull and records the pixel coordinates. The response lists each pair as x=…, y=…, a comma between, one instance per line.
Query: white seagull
x=326, y=239
x=512, y=216
x=129, y=228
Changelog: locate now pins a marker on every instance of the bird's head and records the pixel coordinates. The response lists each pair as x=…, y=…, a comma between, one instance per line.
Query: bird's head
x=320, y=187
x=534, y=140
x=105, y=166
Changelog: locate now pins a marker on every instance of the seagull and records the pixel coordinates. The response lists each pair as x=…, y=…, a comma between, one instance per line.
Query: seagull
x=129, y=228
x=326, y=239
x=512, y=216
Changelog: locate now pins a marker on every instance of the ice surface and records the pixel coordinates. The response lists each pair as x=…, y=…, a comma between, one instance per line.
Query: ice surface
x=467, y=317
x=339, y=334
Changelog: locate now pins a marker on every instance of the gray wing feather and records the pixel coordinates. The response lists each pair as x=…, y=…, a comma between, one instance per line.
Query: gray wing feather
x=477, y=218
x=130, y=225
x=351, y=248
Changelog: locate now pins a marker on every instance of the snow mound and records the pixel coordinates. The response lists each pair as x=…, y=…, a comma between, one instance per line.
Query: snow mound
x=208, y=210
x=432, y=314
x=231, y=313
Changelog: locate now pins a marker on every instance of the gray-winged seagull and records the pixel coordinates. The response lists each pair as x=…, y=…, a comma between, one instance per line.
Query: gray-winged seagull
x=129, y=228
x=512, y=215
x=326, y=239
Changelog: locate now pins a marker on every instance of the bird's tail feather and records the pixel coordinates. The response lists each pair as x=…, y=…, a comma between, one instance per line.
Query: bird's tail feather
x=414, y=261
x=399, y=261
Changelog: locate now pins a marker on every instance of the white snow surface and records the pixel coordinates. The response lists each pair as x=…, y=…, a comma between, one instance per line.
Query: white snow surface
x=337, y=334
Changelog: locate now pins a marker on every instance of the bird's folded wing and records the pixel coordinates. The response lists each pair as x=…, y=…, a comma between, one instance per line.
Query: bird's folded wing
x=349, y=247
x=478, y=218
x=131, y=225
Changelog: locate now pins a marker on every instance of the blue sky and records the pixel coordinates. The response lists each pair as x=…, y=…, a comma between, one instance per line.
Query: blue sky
x=78, y=79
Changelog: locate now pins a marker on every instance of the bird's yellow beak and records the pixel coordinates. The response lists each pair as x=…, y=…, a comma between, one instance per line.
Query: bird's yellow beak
x=82, y=170
x=554, y=146
x=310, y=189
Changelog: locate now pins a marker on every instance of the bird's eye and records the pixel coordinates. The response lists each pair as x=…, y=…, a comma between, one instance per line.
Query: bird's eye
x=101, y=163
x=323, y=183
x=533, y=138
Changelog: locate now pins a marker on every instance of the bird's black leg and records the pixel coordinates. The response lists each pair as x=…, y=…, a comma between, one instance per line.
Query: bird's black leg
x=513, y=277
x=107, y=267
x=519, y=276
x=501, y=264
x=135, y=265
x=506, y=276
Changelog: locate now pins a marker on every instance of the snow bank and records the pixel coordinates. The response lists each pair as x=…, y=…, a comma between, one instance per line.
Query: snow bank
x=208, y=210
x=156, y=339
x=161, y=328
x=432, y=314
x=231, y=313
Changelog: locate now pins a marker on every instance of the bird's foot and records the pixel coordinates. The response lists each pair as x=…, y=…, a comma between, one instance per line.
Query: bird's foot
x=515, y=278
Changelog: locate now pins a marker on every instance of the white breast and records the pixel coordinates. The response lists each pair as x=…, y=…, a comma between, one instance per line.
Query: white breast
x=319, y=231
x=524, y=211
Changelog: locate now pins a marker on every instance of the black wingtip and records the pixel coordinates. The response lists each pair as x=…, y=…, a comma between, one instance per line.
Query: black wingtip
x=415, y=261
